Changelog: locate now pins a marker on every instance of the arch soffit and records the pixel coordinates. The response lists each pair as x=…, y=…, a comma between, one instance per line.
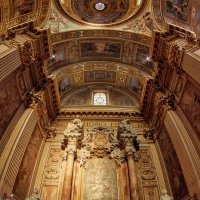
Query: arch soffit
x=100, y=73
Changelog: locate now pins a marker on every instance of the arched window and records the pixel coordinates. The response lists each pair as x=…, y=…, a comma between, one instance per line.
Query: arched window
x=100, y=98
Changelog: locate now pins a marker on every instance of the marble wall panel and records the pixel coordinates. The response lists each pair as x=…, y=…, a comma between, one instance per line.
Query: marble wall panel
x=172, y=165
x=49, y=192
x=100, y=180
x=190, y=105
x=9, y=103
x=26, y=171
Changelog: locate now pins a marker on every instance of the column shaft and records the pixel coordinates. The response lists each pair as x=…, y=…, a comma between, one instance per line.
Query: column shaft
x=132, y=178
x=67, y=185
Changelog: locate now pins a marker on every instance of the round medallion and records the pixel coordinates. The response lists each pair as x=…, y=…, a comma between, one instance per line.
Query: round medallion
x=101, y=12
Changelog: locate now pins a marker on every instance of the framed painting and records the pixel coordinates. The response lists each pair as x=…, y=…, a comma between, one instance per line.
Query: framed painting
x=100, y=49
x=178, y=9
x=136, y=86
x=21, y=7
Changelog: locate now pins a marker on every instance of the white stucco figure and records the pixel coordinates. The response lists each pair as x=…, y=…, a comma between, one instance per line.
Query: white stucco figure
x=126, y=127
x=75, y=126
x=165, y=196
x=34, y=196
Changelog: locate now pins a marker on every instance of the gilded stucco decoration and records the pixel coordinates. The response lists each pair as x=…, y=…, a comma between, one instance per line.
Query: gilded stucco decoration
x=56, y=22
x=147, y=173
x=183, y=13
x=17, y=12
x=144, y=25
x=102, y=12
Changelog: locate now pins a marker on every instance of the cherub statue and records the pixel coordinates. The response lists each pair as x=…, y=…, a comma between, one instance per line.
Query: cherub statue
x=165, y=196
x=34, y=196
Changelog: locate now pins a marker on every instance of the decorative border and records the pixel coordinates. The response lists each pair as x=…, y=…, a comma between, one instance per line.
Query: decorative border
x=134, y=37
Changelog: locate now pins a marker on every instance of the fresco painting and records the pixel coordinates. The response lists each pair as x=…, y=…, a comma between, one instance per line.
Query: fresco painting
x=190, y=105
x=172, y=165
x=141, y=58
x=99, y=76
x=64, y=84
x=136, y=86
x=21, y=7
x=59, y=56
x=177, y=9
x=101, y=49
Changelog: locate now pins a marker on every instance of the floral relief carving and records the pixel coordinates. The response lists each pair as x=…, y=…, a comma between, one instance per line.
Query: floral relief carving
x=55, y=156
x=51, y=173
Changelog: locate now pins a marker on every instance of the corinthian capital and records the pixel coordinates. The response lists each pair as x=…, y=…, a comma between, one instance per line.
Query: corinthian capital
x=126, y=130
x=74, y=129
x=72, y=134
x=128, y=136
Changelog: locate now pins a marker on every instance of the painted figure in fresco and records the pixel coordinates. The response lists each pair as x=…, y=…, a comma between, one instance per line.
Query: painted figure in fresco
x=22, y=7
x=177, y=8
x=165, y=196
x=34, y=196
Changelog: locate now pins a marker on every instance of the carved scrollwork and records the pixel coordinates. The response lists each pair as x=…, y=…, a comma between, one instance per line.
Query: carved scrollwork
x=32, y=98
x=50, y=133
x=51, y=173
x=27, y=54
x=168, y=100
x=149, y=134
x=148, y=173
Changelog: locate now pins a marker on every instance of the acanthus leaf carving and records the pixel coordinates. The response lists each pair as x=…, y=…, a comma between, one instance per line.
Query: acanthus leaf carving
x=118, y=155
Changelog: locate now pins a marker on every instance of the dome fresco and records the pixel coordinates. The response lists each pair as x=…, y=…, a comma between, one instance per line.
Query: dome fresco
x=101, y=12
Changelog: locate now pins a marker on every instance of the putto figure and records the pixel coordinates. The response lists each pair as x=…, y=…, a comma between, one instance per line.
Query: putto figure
x=34, y=196
x=165, y=196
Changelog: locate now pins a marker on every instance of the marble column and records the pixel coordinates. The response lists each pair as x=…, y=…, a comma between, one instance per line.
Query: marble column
x=72, y=134
x=132, y=177
x=67, y=185
x=77, y=182
x=127, y=135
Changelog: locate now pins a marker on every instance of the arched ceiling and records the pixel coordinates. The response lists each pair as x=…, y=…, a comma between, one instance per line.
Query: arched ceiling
x=101, y=12
x=98, y=75
x=108, y=39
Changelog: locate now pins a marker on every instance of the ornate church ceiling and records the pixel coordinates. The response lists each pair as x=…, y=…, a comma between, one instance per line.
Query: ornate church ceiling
x=101, y=12
x=100, y=38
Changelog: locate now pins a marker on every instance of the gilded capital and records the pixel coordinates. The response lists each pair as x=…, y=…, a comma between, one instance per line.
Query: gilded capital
x=72, y=134
x=126, y=131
